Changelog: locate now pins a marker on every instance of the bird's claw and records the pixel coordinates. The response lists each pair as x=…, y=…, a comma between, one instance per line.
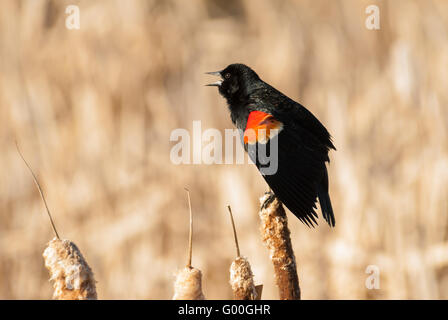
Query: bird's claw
x=269, y=199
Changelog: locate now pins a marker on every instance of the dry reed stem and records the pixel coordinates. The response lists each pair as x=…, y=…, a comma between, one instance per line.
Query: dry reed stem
x=276, y=237
x=190, y=236
x=241, y=276
x=188, y=284
x=235, y=237
x=71, y=275
x=40, y=191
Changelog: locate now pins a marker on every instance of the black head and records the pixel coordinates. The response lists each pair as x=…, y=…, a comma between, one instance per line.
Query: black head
x=236, y=83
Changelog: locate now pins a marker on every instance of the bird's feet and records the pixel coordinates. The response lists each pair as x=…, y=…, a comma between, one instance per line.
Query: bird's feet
x=268, y=198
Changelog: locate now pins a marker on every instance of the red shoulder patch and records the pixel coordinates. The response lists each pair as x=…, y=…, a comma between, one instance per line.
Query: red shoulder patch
x=260, y=127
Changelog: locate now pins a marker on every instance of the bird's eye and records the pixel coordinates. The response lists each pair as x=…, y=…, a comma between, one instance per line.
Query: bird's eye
x=227, y=75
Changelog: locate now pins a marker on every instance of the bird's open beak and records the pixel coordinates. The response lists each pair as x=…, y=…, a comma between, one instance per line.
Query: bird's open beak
x=216, y=83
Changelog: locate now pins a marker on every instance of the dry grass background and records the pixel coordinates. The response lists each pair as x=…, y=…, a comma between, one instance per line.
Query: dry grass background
x=93, y=110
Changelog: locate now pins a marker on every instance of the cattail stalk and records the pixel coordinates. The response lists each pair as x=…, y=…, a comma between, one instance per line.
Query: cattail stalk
x=40, y=191
x=241, y=276
x=276, y=237
x=188, y=284
x=71, y=275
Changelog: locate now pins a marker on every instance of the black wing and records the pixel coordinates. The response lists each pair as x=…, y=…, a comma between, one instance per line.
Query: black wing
x=293, y=114
x=300, y=170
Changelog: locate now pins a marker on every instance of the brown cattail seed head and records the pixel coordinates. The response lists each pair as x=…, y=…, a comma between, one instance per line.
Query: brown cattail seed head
x=242, y=280
x=276, y=237
x=188, y=285
x=71, y=275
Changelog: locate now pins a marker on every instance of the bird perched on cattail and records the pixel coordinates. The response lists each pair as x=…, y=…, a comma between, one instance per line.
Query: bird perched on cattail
x=302, y=141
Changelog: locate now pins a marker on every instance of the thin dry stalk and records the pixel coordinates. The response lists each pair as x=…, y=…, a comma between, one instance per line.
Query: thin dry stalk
x=241, y=276
x=276, y=237
x=71, y=275
x=190, y=236
x=40, y=190
x=234, y=232
x=188, y=284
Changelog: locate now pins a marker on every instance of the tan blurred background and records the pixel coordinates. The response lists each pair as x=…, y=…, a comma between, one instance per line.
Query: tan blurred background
x=93, y=110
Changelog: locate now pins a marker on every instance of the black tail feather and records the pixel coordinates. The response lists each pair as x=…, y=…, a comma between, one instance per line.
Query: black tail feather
x=327, y=209
x=325, y=202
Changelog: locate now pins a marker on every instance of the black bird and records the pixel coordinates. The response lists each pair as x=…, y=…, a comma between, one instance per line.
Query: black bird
x=303, y=142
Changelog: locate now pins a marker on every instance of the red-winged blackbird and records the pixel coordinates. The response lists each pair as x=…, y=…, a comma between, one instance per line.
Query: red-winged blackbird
x=303, y=142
